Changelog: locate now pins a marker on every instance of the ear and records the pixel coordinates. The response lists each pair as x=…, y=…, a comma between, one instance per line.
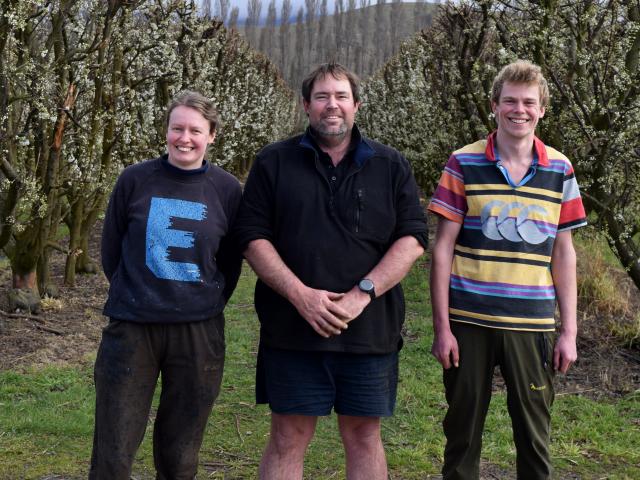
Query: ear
x=357, y=105
x=542, y=110
x=212, y=138
x=494, y=105
x=305, y=105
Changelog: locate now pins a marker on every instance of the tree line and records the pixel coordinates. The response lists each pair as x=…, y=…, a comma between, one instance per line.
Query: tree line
x=362, y=34
x=433, y=97
x=83, y=88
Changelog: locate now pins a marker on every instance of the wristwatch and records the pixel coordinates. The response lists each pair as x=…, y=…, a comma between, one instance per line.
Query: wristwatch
x=367, y=286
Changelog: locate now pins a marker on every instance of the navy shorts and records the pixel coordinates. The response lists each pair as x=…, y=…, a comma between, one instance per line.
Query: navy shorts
x=312, y=383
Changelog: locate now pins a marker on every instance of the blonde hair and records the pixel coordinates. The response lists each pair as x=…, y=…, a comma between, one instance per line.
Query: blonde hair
x=199, y=102
x=521, y=71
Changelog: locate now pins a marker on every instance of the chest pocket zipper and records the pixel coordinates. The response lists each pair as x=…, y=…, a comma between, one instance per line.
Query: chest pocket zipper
x=359, y=207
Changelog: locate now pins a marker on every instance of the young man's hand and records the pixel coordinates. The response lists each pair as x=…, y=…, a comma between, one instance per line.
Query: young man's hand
x=445, y=349
x=565, y=353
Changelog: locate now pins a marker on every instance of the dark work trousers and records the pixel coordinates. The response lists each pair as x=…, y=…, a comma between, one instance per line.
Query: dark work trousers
x=190, y=358
x=526, y=363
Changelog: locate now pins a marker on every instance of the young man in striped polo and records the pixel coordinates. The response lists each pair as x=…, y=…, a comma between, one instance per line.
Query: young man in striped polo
x=503, y=256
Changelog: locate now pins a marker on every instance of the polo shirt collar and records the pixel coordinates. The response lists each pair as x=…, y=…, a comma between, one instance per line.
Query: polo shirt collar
x=538, y=145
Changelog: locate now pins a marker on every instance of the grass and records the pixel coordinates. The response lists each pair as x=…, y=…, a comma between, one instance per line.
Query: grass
x=598, y=288
x=600, y=291
x=46, y=417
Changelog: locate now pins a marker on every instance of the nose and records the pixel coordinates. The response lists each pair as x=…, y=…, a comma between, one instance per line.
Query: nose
x=331, y=102
x=184, y=136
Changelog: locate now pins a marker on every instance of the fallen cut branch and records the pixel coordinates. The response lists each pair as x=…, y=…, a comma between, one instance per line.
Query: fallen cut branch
x=26, y=316
x=575, y=392
x=39, y=323
x=39, y=326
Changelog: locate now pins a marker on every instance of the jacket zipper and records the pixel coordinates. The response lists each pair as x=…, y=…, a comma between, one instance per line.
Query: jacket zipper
x=359, y=207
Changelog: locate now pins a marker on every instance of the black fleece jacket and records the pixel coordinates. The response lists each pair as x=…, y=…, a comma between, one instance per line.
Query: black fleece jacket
x=330, y=239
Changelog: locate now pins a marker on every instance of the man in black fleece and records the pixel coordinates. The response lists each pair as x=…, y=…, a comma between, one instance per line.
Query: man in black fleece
x=331, y=222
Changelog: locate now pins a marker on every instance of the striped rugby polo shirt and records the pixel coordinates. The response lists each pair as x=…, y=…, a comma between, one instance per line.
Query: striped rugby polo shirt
x=501, y=272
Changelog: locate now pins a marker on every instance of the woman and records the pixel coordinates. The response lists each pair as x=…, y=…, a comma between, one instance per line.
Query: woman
x=171, y=268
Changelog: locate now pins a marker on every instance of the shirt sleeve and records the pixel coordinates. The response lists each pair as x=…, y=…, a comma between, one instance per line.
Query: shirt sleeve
x=255, y=217
x=114, y=228
x=572, y=214
x=410, y=217
x=229, y=257
x=449, y=200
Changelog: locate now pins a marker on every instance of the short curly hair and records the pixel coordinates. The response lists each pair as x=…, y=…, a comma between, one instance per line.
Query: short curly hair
x=521, y=71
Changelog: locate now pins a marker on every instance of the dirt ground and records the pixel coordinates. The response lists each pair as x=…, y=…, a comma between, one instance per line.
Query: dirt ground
x=69, y=328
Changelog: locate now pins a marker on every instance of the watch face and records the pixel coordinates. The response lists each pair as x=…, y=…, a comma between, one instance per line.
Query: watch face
x=366, y=285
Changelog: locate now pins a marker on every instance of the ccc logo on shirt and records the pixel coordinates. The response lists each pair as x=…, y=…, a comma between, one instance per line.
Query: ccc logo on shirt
x=515, y=229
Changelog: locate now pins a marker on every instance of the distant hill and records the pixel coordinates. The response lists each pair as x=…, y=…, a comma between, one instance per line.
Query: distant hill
x=361, y=38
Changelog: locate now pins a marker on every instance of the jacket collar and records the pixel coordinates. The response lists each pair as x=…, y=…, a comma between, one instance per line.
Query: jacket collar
x=541, y=150
x=363, y=150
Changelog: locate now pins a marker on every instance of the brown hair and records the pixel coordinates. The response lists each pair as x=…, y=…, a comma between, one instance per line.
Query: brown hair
x=521, y=71
x=338, y=72
x=197, y=101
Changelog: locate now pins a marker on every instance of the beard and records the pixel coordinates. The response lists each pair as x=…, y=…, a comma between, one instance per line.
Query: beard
x=325, y=131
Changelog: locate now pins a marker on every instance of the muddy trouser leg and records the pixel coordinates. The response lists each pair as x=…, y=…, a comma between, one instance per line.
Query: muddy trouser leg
x=125, y=376
x=528, y=372
x=468, y=392
x=191, y=378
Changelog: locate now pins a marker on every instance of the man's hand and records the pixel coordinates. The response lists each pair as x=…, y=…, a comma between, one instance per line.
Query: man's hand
x=565, y=352
x=321, y=310
x=353, y=303
x=445, y=349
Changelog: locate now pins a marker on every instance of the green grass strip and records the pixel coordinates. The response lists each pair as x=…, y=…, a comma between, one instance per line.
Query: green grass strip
x=46, y=416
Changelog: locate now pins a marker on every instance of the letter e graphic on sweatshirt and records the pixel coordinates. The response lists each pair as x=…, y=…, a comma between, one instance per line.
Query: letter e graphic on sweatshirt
x=161, y=236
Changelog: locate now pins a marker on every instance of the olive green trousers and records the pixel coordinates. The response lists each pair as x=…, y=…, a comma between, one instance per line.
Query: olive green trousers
x=526, y=363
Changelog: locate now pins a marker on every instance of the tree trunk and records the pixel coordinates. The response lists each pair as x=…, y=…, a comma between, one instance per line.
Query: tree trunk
x=43, y=273
x=84, y=262
x=74, y=224
x=24, y=280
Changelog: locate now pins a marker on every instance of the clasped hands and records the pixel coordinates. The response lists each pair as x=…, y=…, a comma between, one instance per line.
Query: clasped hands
x=329, y=313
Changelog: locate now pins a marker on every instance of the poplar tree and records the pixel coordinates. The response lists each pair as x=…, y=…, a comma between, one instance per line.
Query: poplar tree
x=285, y=19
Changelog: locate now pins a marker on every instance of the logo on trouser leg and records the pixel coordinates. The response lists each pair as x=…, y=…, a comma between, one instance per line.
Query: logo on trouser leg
x=536, y=388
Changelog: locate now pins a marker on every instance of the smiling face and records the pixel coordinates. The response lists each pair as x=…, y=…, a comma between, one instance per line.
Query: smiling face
x=331, y=108
x=188, y=134
x=518, y=110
